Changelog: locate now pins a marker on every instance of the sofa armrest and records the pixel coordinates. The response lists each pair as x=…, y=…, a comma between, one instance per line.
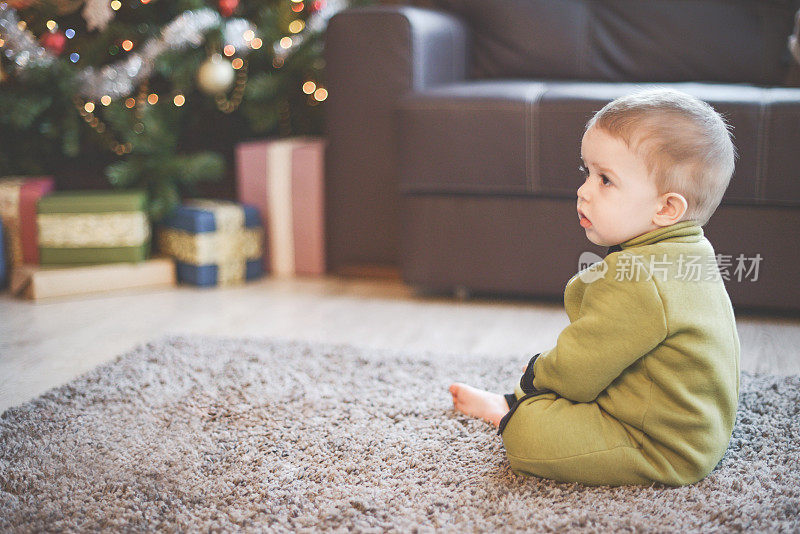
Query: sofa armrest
x=374, y=55
x=399, y=47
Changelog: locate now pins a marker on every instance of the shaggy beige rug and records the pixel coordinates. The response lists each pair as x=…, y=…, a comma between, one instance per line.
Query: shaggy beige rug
x=191, y=434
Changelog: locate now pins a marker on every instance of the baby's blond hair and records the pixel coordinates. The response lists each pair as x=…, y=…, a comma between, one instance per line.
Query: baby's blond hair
x=685, y=144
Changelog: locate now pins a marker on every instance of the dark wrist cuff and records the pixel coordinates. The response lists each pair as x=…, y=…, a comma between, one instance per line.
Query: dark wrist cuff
x=526, y=382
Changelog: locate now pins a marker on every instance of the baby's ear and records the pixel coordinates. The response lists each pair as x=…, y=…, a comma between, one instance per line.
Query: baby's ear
x=672, y=209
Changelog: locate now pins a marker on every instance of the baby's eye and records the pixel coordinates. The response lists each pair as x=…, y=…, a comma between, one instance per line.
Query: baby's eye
x=605, y=179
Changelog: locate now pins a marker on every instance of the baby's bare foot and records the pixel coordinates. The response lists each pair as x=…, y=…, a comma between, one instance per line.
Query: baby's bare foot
x=486, y=405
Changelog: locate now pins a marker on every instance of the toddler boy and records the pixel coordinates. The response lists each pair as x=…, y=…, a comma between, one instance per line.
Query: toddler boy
x=643, y=384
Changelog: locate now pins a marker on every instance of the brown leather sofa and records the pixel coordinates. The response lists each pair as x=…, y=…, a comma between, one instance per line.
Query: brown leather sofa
x=454, y=134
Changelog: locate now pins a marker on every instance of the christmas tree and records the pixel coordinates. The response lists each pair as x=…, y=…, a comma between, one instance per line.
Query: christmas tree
x=142, y=86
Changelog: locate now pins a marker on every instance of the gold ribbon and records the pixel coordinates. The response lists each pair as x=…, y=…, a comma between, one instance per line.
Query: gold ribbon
x=229, y=248
x=9, y=212
x=93, y=230
x=211, y=247
x=228, y=216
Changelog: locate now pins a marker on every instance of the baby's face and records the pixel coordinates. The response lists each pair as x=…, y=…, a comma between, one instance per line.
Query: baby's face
x=618, y=199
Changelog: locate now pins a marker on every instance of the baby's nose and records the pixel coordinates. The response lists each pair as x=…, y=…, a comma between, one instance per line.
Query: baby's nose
x=582, y=191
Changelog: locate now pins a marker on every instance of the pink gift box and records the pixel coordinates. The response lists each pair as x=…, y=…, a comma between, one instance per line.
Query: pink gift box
x=284, y=178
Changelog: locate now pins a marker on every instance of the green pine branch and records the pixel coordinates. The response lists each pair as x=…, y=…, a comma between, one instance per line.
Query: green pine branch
x=172, y=148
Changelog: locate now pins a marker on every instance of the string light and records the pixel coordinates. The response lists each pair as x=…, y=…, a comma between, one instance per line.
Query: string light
x=115, y=5
x=296, y=26
x=229, y=105
x=2, y=42
x=256, y=43
x=51, y=25
x=297, y=8
x=249, y=35
x=152, y=99
x=229, y=50
x=179, y=100
x=87, y=109
x=69, y=33
x=309, y=87
x=105, y=100
x=286, y=42
x=237, y=63
x=320, y=94
x=74, y=57
x=22, y=25
x=127, y=45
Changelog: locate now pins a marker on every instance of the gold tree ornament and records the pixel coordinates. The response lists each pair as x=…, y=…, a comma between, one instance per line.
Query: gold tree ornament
x=216, y=75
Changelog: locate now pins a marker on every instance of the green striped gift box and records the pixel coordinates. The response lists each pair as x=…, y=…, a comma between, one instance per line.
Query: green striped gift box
x=90, y=227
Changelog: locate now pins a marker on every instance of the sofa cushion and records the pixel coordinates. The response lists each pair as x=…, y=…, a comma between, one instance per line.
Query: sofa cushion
x=511, y=137
x=630, y=40
x=468, y=137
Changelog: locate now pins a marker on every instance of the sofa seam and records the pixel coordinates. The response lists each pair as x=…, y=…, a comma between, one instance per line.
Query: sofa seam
x=453, y=52
x=762, y=160
x=457, y=106
x=761, y=182
x=534, y=177
x=583, y=59
x=528, y=141
x=461, y=189
x=412, y=54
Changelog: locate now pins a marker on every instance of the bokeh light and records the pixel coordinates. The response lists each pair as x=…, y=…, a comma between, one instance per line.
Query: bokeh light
x=320, y=94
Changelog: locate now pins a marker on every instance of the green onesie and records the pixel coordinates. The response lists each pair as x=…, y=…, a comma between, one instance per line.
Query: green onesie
x=643, y=384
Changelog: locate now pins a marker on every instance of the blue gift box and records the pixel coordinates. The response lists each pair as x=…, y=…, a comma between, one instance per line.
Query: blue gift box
x=214, y=242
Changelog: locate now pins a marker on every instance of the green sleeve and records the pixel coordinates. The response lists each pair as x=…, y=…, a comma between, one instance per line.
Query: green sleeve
x=617, y=322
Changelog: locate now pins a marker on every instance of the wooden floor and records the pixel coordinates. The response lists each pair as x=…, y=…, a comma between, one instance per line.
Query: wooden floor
x=46, y=344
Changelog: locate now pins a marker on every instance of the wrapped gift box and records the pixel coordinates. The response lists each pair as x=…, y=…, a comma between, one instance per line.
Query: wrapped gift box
x=37, y=282
x=90, y=227
x=214, y=242
x=18, y=198
x=284, y=178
